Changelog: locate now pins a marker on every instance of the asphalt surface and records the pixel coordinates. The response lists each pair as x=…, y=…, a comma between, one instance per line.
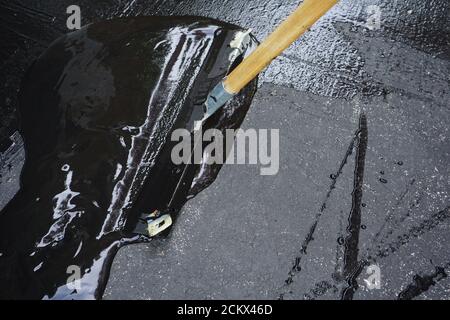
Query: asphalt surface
x=242, y=236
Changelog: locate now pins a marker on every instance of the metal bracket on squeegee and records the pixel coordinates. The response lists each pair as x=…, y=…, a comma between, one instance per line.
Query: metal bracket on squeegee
x=219, y=95
x=152, y=224
x=240, y=43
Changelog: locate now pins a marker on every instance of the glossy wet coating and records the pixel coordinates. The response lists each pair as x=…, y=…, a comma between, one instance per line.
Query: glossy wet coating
x=97, y=111
x=297, y=221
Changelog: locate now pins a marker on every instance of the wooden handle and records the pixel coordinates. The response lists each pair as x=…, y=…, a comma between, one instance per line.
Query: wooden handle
x=290, y=30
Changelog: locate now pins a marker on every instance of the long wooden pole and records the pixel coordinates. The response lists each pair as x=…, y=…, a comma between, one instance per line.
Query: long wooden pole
x=286, y=33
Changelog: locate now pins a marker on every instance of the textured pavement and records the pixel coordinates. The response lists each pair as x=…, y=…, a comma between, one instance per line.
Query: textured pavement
x=242, y=236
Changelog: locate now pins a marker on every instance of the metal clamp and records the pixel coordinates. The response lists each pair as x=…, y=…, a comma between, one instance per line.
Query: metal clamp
x=155, y=227
x=240, y=42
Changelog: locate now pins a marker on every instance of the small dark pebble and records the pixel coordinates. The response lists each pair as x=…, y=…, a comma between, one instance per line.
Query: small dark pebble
x=400, y=163
x=341, y=240
x=333, y=176
x=381, y=172
x=383, y=180
x=363, y=205
x=364, y=227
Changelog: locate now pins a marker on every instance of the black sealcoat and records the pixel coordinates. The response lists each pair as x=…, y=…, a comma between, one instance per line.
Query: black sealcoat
x=97, y=112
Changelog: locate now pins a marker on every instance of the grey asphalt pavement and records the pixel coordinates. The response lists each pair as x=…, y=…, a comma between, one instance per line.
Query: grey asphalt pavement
x=343, y=92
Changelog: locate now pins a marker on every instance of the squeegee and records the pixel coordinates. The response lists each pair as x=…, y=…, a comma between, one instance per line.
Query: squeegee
x=300, y=21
